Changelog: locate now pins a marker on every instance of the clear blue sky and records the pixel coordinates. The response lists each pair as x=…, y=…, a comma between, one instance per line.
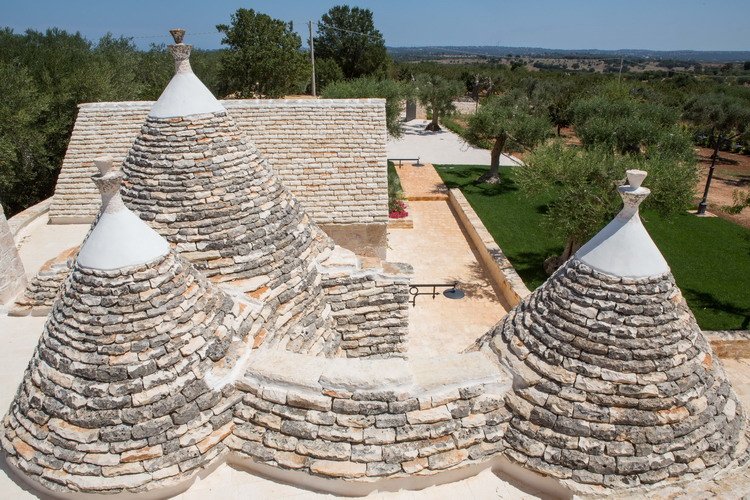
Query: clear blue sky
x=565, y=24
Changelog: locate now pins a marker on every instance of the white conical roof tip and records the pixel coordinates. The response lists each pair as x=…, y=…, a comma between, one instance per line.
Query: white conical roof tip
x=185, y=94
x=624, y=248
x=119, y=238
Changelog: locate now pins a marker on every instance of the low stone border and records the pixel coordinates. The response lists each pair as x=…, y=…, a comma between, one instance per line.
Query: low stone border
x=730, y=343
x=502, y=273
x=23, y=219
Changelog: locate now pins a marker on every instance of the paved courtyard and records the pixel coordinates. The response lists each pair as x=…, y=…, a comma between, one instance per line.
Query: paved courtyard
x=444, y=147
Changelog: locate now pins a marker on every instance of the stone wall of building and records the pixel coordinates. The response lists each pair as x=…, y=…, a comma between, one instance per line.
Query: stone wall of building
x=370, y=309
x=12, y=274
x=329, y=153
x=352, y=419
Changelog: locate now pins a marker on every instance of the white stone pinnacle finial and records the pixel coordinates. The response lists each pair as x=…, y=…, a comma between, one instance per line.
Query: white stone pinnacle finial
x=633, y=193
x=108, y=179
x=180, y=52
x=104, y=164
x=177, y=34
x=635, y=177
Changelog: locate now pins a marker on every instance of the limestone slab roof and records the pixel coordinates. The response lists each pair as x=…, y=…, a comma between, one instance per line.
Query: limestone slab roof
x=614, y=383
x=329, y=153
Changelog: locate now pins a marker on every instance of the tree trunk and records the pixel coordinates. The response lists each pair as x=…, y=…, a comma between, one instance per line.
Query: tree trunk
x=493, y=175
x=433, y=126
x=558, y=130
x=551, y=264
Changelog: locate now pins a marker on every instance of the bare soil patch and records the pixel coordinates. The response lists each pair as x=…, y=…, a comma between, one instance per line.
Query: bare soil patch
x=732, y=174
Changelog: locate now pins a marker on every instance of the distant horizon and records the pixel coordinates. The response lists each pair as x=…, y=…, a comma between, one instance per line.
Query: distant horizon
x=664, y=26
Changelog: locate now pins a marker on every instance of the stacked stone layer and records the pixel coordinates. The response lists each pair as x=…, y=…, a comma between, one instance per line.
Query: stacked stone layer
x=205, y=188
x=44, y=288
x=330, y=153
x=370, y=312
x=115, y=396
x=368, y=428
x=614, y=384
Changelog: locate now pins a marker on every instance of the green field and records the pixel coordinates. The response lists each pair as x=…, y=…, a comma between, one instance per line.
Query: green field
x=709, y=257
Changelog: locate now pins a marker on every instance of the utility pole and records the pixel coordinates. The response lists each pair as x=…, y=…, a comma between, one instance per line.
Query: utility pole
x=619, y=75
x=312, y=57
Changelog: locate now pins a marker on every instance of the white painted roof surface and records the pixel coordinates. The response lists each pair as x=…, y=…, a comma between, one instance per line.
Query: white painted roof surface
x=120, y=239
x=185, y=95
x=624, y=248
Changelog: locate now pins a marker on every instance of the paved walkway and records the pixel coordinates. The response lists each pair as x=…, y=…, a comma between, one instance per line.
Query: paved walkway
x=421, y=183
x=442, y=147
x=439, y=252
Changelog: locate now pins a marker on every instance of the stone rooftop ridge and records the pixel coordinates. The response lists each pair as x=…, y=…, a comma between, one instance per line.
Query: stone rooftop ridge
x=624, y=247
x=185, y=94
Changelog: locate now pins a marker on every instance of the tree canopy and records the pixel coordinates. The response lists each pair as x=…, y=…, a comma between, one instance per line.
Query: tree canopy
x=507, y=121
x=264, y=57
x=437, y=95
x=347, y=35
x=719, y=114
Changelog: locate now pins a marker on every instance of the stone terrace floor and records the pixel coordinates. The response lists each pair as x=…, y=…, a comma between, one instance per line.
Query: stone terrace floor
x=439, y=251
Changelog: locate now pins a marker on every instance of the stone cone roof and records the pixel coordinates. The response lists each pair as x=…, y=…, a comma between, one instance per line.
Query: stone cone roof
x=614, y=384
x=116, y=394
x=196, y=179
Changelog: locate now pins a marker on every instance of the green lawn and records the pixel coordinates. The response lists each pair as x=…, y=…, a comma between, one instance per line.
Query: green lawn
x=709, y=257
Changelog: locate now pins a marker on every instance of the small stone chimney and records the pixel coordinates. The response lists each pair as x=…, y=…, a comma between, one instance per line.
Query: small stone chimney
x=12, y=273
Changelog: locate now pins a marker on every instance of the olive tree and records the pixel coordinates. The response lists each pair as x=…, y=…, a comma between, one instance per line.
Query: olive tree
x=506, y=121
x=618, y=131
x=437, y=95
x=264, y=57
x=722, y=117
x=581, y=182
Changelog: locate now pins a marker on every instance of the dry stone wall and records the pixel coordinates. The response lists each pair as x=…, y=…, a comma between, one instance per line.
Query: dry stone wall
x=12, y=274
x=370, y=419
x=370, y=310
x=329, y=153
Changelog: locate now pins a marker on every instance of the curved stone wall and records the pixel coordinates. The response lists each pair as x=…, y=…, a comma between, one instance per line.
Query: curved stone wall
x=370, y=419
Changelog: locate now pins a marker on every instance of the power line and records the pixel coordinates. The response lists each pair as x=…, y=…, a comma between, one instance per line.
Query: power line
x=168, y=35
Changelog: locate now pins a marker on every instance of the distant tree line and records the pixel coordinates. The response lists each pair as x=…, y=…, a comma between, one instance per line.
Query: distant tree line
x=44, y=76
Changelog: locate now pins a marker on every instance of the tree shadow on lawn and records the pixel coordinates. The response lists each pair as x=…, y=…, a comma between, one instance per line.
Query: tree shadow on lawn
x=530, y=266
x=705, y=300
x=465, y=179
